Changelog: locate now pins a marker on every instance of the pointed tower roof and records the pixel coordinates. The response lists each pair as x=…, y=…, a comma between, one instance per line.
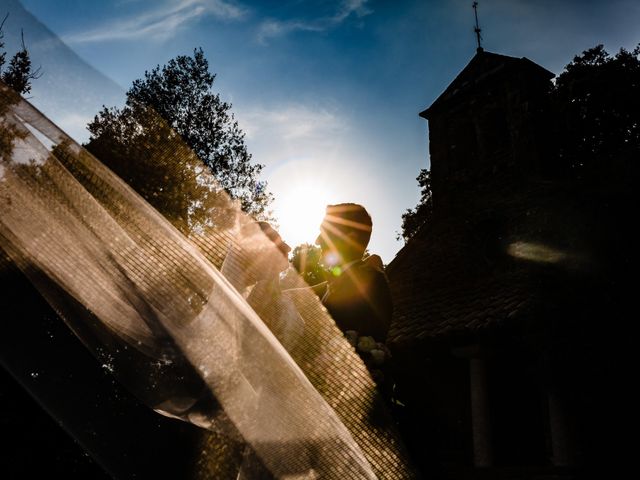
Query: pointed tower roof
x=485, y=67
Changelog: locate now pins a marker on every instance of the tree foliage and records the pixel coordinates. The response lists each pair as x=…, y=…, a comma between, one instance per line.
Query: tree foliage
x=139, y=146
x=306, y=260
x=19, y=73
x=597, y=105
x=414, y=219
x=173, y=108
x=18, y=78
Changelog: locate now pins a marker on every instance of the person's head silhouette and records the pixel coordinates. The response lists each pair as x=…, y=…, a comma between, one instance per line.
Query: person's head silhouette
x=276, y=239
x=344, y=233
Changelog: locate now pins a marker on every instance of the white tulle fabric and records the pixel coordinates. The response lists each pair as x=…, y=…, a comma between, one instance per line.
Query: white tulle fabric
x=182, y=336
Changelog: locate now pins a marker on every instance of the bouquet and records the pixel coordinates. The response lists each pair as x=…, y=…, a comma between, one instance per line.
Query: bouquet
x=375, y=355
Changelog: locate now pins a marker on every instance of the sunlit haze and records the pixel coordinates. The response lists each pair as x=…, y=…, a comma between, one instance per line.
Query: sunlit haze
x=300, y=205
x=300, y=216
x=328, y=93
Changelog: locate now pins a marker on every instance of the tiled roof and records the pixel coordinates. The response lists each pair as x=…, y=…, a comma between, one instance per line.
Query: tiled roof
x=462, y=273
x=482, y=67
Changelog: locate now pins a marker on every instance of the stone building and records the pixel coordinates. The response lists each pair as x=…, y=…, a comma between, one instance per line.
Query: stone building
x=495, y=297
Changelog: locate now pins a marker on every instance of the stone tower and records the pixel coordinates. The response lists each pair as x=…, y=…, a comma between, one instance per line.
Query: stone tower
x=487, y=124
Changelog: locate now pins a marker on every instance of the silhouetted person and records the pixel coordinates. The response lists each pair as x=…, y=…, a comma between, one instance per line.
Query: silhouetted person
x=253, y=267
x=258, y=255
x=358, y=296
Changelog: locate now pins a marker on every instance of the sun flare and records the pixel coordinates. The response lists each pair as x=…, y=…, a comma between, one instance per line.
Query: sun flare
x=299, y=211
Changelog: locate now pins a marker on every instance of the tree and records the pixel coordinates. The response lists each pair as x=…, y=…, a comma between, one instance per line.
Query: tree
x=140, y=147
x=19, y=74
x=18, y=78
x=414, y=219
x=3, y=54
x=597, y=104
x=305, y=259
x=175, y=105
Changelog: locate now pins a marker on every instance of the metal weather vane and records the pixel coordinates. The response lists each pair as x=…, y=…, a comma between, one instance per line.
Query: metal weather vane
x=477, y=28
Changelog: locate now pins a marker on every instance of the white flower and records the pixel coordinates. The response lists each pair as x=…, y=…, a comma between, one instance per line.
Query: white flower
x=377, y=356
x=366, y=344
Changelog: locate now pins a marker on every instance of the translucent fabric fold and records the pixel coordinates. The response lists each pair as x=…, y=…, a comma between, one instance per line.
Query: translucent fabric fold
x=259, y=364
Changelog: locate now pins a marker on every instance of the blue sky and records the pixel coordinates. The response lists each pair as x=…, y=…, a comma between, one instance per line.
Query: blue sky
x=329, y=92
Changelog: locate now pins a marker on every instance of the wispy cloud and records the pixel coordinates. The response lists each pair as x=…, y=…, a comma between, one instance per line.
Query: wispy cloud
x=277, y=134
x=358, y=7
x=160, y=23
x=292, y=123
x=272, y=28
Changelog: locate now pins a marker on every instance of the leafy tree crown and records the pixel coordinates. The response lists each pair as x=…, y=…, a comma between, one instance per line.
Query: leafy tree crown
x=19, y=74
x=177, y=100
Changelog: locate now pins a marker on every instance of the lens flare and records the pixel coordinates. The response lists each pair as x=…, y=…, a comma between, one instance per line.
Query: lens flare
x=300, y=211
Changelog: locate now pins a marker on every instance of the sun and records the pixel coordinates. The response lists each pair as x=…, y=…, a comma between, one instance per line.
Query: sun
x=302, y=189
x=299, y=210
